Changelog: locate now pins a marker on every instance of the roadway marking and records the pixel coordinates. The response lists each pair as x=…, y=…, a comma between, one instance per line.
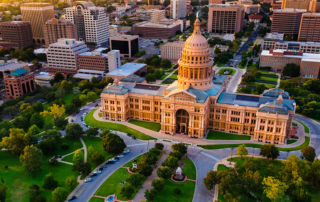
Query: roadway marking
x=212, y=157
x=133, y=145
x=315, y=136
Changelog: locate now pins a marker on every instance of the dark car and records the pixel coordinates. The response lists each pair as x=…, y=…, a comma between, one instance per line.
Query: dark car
x=116, y=158
x=72, y=198
x=97, y=105
x=109, y=162
x=133, y=137
x=63, y=128
x=101, y=168
x=128, y=134
x=94, y=174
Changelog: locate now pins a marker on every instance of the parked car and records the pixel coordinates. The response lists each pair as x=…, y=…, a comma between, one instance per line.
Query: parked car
x=72, y=120
x=81, y=109
x=102, y=167
x=72, y=198
x=128, y=134
x=126, y=151
x=133, y=137
x=120, y=156
x=93, y=175
x=109, y=162
x=116, y=158
x=97, y=105
x=63, y=128
x=97, y=172
x=88, y=180
x=93, y=101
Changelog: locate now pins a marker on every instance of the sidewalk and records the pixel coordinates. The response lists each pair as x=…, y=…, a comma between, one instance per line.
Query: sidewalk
x=192, y=140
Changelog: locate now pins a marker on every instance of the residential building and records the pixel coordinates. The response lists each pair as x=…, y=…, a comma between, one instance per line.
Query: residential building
x=255, y=18
x=225, y=18
x=215, y=2
x=197, y=102
x=309, y=5
x=16, y=34
x=287, y=21
x=310, y=27
x=63, y=55
x=172, y=51
x=55, y=29
x=92, y=22
x=178, y=9
x=18, y=82
x=277, y=59
x=37, y=14
x=99, y=61
x=158, y=30
x=128, y=45
x=221, y=47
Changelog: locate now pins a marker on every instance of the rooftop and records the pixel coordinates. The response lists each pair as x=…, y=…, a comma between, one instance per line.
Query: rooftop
x=18, y=72
x=175, y=44
x=126, y=69
x=125, y=37
x=274, y=35
x=255, y=16
x=156, y=24
x=305, y=56
x=291, y=10
x=11, y=66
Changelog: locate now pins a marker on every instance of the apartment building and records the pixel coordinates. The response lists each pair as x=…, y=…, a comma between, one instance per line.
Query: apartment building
x=309, y=5
x=225, y=18
x=277, y=59
x=178, y=9
x=128, y=45
x=55, y=29
x=287, y=21
x=63, y=55
x=16, y=34
x=255, y=18
x=37, y=14
x=310, y=27
x=18, y=82
x=92, y=22
x=172, y=51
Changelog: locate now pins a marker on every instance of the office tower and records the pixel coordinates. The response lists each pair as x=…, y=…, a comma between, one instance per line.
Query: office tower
x=178, y=8
x=37, y=14
x=127, y=45
x=16, y=34
x=310, y=27
x=309, y=5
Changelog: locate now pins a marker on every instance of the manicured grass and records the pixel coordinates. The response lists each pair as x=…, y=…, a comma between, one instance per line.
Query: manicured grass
x=221, y=65
x=100, y=114
x=265, y=72
x=251, y=66
x=95, y=199
x=129, y=164
x=166, y=194
x=291, y=141
x=163, y=76
x=240, y=67
x=306, y=129
x=173, y=76
x=221, y=71
x=114, y=126
x=267, y=85
x=222, y=167
x=264, y=78
x=222, y=146
x=67, y=99
x=217, y=135
x=294, y=124
x=112, y=185
x=189, y=168
x=168, y=81
x=69, y=158
x=96, y=143
x=18, y=180
x=145, y=124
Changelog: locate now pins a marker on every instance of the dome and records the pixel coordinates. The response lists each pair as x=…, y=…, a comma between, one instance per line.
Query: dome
x=196, y=40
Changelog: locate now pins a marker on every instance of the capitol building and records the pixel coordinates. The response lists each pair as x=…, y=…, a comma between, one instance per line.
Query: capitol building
x=198, y=102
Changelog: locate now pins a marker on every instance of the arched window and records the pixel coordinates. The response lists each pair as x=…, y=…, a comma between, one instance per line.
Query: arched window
x=24, y=87
x=32, y=85
x=28, y=86
x=11, y=89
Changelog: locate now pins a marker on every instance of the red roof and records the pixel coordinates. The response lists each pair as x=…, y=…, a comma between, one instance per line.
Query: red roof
x=271, y=16
x=255, y=16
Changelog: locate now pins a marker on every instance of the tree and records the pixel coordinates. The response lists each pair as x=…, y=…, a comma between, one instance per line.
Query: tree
x=70, y=108
x=260, y=88
x=275, y=189
x=308, y=153
x=57, y=110
x=315, y=172
x=33, y=130
x=312, y=85
x=5, y=128
x=31, y=160
x=48, y=145
x=217, y=50
x=37, y=120
x=83, y=168
x=248, y=79
x=97, y=158
x=158, y=184
x=176, y=154
x=113, y=143
x=74, y=131
x=291, y=69
x=78, y=156
x=3, y=190
x=21, y=122
x=150, y=78
x=17, y=139
x=58, y=77
x=149, y=158
x=60, y=121
x=211, y=179
x=127, y=191
x=49, y=182
x=150, y=195
x=246, y=90
x=135, y=180
x=38, y=107
x=59, y=194
x=181, y=147
x=165, y=63
x=144, y=169
x=92, y=132
x=90, y=150
x=164, y=172
x=71, y=181
x=171, y=162
x=67, y=86
x=77, y=102
x=269, y=151
x=242, y=151
x=159, y=146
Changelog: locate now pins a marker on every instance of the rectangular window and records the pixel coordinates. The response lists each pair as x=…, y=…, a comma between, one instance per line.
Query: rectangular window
x=196, y=109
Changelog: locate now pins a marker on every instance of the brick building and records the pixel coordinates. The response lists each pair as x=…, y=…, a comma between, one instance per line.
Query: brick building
x=157, y=30
x=16, y=34
x=18, y=82
x=309, y=5
x=215, y=2
x=310, y=27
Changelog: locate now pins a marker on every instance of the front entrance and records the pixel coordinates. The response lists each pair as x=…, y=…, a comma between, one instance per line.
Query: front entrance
x=182, y=121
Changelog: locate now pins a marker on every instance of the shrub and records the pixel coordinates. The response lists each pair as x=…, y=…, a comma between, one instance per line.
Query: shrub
x=159, y=146
x=177, y=191
x=64, y=146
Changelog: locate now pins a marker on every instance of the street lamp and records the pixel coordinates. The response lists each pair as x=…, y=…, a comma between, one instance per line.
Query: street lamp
x=231, y=155
x=253, y=152
x=288, y=153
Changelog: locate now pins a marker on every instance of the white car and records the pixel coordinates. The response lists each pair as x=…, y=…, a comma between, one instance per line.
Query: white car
x=88, y=180
x=97, y=172
x=81, y=109
x=121, y=156
x=126, y=151
x=113, y=159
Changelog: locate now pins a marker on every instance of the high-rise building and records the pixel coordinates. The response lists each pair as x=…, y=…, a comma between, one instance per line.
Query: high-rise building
x=127, y=45
x=37, y=14
x=178, y=9
x=92, y=22
x=309, y=5
x=287, y=21
x=310, y=27
x=55, y=29
x=63, y=55
x=153, y=2
x=225, y=18
x=215, y=2
x=172, y=51
x=16, y=34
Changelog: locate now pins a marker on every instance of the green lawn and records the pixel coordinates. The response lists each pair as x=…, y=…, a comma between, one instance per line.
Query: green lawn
x=267, y=85
x=222, y=146
x=163, y=76
x=217, y=135
x=166, y=194
x=251, y=66
x=291, y=141
x=145, y=124
x=69, y=158
x=96, y=143
x=129, y=164
x=270, y=73
x=94, y=199
x=112, y=185
x=100, y=114
x=264, y=78
x=222, y=167
x=221, y=65
x=294, y=124
x=18, y=181
x=173, y=76
x=306, y=129
x=189, y=168
x=114, y=126
x=221, y=71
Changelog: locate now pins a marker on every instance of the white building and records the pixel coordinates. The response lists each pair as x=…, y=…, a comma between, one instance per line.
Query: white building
x=114, y=61
x=63, y=55
x=178, y=8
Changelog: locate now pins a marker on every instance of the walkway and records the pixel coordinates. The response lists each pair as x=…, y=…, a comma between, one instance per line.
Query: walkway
x=147, y=184
x=185, y=139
